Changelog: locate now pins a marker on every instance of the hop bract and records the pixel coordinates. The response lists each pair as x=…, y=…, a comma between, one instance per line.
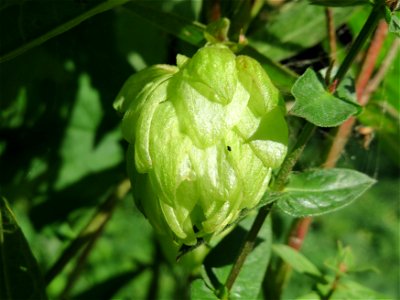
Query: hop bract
x=204, y=136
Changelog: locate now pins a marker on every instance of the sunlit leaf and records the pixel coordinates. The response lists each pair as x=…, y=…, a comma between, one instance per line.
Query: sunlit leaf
x=219, y=261
x=199, y=290
x=322, y=191
x=317, y=105
x=296, y=260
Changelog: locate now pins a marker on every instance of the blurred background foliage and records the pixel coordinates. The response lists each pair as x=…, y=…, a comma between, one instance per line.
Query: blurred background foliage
x=61, y=151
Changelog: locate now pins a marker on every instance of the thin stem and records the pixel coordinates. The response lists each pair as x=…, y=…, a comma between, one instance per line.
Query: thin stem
x=380, y=74
x=278, y=185
x=298, y=233
x=344, y=131
x=331, y=34
x=355, y=48
x=99, y=219
x=248, y=245
x=74, y=275
x=370, y=59
x=293, y=156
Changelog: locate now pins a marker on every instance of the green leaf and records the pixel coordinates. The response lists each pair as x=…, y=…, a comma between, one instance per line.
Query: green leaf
x=294, y=28
x=27, y=24
x=20, y=277
x=199, y=290
x=317, y=105
x=340, y=2
x=80, y=151
x=219, y=261
x=322, y=191
x=394, y=25
x=346, y=289
x=296, y=260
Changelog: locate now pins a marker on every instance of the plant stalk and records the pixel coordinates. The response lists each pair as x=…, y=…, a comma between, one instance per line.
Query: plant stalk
x=368, y=28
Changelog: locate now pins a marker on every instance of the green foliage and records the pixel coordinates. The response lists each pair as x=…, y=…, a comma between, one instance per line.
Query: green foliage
x=317, y=105
x=321, y=191
x=62, y=153
x=20, y=274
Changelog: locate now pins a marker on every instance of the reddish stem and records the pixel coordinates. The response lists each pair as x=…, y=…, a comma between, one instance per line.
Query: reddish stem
x=298, y=233
x=343, y=133
x=370, y=60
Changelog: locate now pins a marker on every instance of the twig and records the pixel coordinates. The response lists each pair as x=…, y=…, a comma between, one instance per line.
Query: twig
x=380, y=74
x=331, y=34
x=298, y=233
x=369, y=26
x=215, y=10
x=344, y=131
x=370, y=60
x=74, y=275
x=99, y=219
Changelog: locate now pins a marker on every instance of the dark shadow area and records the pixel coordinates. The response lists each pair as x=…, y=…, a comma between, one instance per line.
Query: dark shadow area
x=106, y=289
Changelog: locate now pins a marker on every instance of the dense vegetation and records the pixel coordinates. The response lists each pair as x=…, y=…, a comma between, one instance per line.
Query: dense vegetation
x=69, y=228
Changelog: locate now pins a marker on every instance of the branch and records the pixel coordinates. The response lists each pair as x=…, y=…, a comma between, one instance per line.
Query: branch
x=380, y=74
x=331, y=34
x=88, y=233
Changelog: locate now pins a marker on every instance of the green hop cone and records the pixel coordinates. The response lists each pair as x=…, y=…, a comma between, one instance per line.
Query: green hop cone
x=204, y=137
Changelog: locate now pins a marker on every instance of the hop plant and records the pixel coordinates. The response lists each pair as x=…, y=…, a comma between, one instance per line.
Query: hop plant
x=203, y=138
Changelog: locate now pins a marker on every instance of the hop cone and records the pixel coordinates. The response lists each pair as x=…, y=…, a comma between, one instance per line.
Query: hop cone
x=204, y=136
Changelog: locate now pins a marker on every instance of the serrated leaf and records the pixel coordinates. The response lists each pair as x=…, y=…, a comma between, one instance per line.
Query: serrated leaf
x=20, y=277
x=322, y=191
x=219, y=261
x=315, y=104
x=296, y=260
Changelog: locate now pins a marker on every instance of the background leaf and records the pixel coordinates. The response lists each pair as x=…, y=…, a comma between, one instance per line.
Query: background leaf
x=322, y=191
x=29, y=28
x=199, y=290
x=20, y=275
x=295, y=27
x=296, y=260
x=219, y=262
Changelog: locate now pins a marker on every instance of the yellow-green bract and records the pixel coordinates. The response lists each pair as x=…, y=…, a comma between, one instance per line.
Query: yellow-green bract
x=204, y=136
